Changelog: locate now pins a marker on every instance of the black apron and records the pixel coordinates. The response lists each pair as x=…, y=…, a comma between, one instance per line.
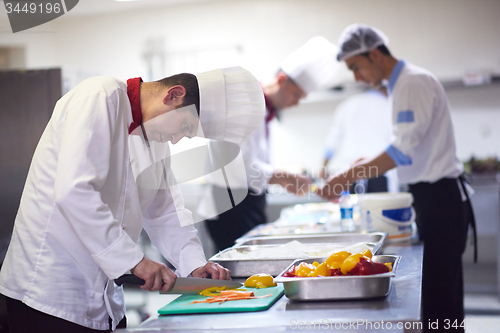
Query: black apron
x=24, y=319
x=237, y=221
x=373, y=185
x=442, y=219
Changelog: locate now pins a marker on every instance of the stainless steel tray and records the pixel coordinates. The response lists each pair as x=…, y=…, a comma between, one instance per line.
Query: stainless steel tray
x=339, y=287
x=249, y=266
x=347, y=239
x=273, y=229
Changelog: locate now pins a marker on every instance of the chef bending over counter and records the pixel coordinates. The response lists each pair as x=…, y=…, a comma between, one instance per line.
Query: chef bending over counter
x=99, y=175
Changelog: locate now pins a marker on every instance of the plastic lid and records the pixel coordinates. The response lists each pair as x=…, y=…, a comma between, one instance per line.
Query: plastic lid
x=344, y=193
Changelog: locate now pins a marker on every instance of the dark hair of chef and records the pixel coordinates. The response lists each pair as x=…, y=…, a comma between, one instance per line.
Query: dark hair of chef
x=190, y=83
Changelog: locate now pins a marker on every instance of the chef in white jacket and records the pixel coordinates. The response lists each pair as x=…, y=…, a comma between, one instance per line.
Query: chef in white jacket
x=423, y=151
x=309, y=68
x=100, y=175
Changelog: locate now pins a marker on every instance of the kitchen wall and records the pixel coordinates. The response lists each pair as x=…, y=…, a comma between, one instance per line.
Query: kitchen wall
x=449, y=37
x=298, y=138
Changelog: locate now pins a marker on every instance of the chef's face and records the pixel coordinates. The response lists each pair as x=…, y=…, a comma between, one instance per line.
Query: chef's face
x=172, y=125
x=289, y=94
x=365, y=69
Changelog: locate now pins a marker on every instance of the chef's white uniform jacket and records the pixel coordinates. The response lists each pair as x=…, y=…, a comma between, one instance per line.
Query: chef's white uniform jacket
x=256, y=154
x=81, y=212
x=423, y=145
x=362, y=128
x=258, y=170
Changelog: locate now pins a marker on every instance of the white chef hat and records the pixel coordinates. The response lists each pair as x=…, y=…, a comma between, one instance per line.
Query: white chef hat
x=359, y=38
x=232, y=104
x=313, y=65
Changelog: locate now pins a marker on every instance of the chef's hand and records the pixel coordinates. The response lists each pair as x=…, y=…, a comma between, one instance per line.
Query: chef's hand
x=333, y=188
x=214, y=270
x=294, y=183
x=157, y=276
x=298, y=184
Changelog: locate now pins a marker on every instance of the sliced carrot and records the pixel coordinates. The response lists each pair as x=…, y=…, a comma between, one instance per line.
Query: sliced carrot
x=236, y=292
x=232, y=297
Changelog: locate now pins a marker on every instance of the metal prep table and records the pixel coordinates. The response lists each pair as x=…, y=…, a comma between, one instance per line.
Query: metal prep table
x=402, y=307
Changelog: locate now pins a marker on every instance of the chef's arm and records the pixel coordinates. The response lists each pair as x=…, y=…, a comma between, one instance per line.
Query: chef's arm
x=369, y=168
x=170, y=227
x=85, y=145
x=180, y=244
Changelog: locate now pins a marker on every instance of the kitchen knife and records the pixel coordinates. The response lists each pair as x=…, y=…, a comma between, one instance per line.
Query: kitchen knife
x=183, y=285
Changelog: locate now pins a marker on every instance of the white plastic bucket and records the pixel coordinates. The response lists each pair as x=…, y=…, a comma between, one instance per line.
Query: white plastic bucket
x=388, y=212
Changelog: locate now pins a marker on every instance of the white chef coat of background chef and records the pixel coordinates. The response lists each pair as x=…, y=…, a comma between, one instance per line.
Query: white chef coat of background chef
x=312, y=67
x=362, y=128
x=417, y=128
x=221, y=165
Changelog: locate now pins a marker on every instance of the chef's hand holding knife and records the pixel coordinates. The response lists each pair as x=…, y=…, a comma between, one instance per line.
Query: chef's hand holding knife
x=157, y=276
x=212, y=270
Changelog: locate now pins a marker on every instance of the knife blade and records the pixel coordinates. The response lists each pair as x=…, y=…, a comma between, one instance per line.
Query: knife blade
x=183, y=285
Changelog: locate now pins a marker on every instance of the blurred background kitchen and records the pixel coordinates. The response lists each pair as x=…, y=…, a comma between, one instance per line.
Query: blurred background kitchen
x=457, y=40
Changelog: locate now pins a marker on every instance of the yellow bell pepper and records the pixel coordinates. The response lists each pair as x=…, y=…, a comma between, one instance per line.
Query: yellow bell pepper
x=388, y=264
x=367, y=253
x=336, y=259
x=303, y=269
x=212, y=291
x=260, y=281
x=322, y=270
x=350, y=263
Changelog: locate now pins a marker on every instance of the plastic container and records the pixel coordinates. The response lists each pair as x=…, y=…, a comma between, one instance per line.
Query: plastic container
x=346, y=210
x=388, y=212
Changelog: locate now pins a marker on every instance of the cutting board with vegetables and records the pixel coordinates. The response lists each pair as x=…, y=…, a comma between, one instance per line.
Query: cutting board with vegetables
x=183, y=304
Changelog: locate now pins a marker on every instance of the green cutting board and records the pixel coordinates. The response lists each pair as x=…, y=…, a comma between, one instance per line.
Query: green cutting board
x=181, y=305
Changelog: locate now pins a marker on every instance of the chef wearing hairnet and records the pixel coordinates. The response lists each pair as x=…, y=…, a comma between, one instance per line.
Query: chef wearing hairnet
x=309, y=68
x=423, y=151
x=99, y=175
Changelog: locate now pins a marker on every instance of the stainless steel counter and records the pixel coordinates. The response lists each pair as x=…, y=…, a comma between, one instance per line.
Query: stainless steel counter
x=399, y=310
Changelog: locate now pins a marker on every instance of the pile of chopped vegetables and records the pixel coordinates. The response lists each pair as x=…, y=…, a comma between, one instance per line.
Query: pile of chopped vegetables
x=340, y=264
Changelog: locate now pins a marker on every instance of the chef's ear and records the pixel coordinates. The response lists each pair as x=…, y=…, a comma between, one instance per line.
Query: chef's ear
x=174, y=94
x=281, y=77
x=375, y=56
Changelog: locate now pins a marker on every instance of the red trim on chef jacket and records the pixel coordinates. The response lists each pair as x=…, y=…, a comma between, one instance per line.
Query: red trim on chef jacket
x=271, y=108
x=134, y=95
